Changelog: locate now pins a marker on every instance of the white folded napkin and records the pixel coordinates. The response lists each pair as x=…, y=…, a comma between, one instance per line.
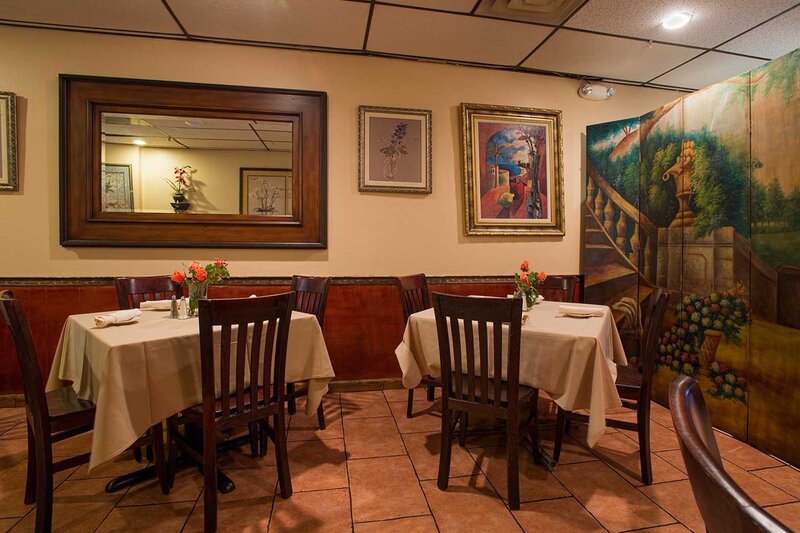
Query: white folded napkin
x=116, y=317
x=582, y=310
x=156, y=305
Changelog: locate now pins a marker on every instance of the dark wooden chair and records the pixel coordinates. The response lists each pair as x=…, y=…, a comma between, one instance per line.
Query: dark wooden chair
x=468, y=387
x=724, y=505
x=250, y=381
x=415, y=298
x=51, y=416
x=132, y=291
x=311, y=295
x=634, y=385
x=559, y=288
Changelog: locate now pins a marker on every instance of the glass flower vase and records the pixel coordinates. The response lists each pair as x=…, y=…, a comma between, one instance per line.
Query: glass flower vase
x=197, y=291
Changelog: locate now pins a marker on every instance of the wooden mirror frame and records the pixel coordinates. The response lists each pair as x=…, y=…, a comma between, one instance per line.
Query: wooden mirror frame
x=83, y=99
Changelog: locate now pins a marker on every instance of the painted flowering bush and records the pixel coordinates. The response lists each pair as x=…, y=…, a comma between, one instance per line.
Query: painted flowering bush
x=725, y=383
x=696, y=318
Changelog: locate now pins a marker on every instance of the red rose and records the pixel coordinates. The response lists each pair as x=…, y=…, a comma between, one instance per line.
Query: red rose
x=690, y=309
x=541, y=276
x=194, y=266
x=718, y=379
x=524, y=266
x=715, y=308
x=201, y=274
x=178, y=276
x=523, y=276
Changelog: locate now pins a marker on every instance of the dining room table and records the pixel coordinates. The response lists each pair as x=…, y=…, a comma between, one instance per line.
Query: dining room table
x=572, y=358
x=140, y=372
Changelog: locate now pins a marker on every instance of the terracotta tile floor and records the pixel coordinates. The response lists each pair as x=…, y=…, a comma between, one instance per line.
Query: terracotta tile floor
x=375, y=470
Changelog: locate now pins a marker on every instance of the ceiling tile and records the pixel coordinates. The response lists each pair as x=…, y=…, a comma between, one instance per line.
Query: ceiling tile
x=552, y=12
x=327, y=23
x=458, y=37
x=775, y=38
x=708, y=69
x=139, y=16
x=464, y=6
x=713, y=22
x=606, y=57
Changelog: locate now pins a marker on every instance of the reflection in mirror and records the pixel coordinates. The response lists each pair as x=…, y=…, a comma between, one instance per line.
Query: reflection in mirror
x=191, y=165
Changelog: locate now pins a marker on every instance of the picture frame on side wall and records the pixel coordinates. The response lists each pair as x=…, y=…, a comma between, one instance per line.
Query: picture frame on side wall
x=265, y=192
x=394, y=146
x=117, y=188
x=513, y=170
x=8, y=142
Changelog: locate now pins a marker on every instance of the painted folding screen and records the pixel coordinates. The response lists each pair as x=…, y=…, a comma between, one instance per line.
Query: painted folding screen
x=702, y=197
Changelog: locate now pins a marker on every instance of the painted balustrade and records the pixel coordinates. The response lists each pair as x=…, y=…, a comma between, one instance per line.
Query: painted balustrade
x=634, y=236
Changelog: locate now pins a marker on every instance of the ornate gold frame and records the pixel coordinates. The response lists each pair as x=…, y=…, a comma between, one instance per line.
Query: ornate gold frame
x=472, y=226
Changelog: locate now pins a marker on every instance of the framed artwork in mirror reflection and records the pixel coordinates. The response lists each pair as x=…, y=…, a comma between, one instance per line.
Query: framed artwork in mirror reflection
x=8, y=142
x=394, y=147
x=265, y=192
x=117, y=188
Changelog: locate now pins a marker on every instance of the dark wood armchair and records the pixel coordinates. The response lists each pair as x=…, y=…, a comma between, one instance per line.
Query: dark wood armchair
x=311, y=295
x=467, y=385
x=561, y=288
x=134, y=290
x=245, y=398
x=725, y=507
x=131, y=292
x=51, y=416
x=633, y=385
x=414, y=298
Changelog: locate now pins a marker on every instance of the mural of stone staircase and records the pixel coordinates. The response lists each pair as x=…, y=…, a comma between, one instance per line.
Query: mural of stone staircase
x=609, y=275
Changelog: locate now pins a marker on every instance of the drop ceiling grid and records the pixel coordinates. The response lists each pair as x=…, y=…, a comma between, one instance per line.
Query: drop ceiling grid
x=451, y=30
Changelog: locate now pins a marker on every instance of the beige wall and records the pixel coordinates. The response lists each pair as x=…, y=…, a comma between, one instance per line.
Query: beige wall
x=369, y=234
x=215, y=180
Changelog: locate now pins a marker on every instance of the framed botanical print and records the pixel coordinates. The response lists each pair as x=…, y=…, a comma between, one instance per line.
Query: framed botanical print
x=117, y=188
x=8, y=142
x=394, y=150
x=265, y=192
x=513, y=170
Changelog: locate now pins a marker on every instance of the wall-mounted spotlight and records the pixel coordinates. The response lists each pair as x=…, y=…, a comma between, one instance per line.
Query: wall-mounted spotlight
x=596, y=91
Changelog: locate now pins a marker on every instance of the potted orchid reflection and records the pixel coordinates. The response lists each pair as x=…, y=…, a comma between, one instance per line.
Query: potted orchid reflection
x=180, y=183
x=198, y=278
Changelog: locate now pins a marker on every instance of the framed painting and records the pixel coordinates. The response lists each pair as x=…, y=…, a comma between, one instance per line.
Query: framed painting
x=394, y=147
x=8, y=142
x=265, y=192
x=513, y=170
x=117, y=187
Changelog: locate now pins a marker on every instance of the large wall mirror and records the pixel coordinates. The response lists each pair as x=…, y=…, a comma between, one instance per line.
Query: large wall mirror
x=147, y=163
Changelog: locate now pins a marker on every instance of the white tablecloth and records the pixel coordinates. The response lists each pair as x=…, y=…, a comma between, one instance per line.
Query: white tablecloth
x=572, y=359
x=139, y=374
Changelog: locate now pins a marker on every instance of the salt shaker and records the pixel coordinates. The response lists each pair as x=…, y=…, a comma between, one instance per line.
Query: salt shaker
x=173, y=307
x=183, y=308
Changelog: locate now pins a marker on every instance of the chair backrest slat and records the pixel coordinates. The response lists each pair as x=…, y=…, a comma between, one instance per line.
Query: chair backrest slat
x=657, y=305
x=241, y=365
x=413, y=294
x=33, y=379
x=462, y=314
x=725, y=507
x=311, y=295
x=248, y=315
x=133, y=291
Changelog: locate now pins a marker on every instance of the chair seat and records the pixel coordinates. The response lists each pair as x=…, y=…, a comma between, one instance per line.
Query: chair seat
x=526, y=394
x=67, y=411
x=629, y=382
x=195, y=412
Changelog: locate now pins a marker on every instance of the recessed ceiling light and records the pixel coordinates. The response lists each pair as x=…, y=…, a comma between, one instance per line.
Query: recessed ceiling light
x=676, y=20
x=140, y=142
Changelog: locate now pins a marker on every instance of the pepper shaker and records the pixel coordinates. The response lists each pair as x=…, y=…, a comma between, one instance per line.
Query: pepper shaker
x=173, y=307
x=183, y=308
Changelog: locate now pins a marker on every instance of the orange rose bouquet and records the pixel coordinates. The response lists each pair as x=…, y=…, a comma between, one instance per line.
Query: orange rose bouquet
x=197, y=278
x=526, y=282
